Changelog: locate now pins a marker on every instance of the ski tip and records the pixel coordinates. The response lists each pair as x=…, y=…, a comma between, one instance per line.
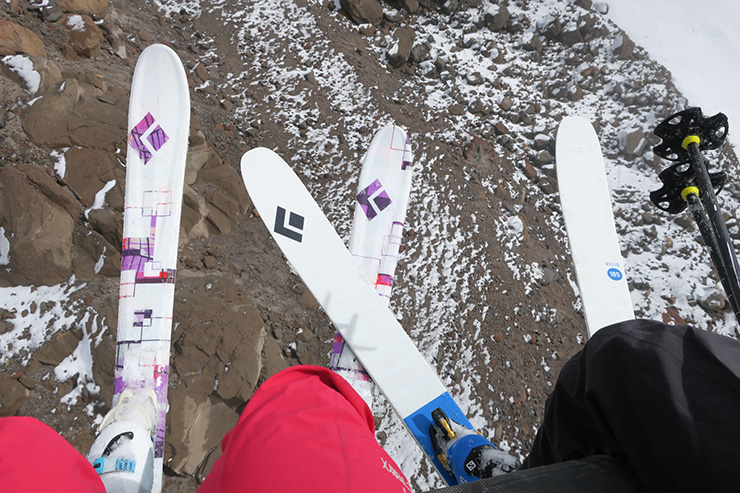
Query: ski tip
x=256, y=156
x=161, y=56
x=159, y=66
x=158, y=48
x=575, y=124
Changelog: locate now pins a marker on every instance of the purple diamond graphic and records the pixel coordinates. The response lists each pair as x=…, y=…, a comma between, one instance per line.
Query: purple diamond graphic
x=373, y=194
x=156, y=138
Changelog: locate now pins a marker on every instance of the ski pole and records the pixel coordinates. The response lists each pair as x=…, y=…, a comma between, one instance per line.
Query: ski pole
x=689, y=183
x=691, y=195
x=723, y=253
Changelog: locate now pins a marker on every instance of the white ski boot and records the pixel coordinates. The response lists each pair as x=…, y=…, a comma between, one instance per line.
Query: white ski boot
x=123, y=452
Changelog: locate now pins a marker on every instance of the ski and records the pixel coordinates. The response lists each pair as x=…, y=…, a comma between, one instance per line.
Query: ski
x=589, y=222
x=158, y=128
x=377, y=228
x=319, y=256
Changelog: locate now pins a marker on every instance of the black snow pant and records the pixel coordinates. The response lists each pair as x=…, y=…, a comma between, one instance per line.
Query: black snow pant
x=664, y=398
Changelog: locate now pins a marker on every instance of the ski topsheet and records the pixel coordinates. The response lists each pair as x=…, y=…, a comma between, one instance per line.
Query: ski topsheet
x=377, y=228
x=158, y=128
x=589, y=221
x=316, y=252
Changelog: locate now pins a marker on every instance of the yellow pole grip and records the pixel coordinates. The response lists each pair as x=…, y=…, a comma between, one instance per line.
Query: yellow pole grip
x=688, y=191
x=691, y=139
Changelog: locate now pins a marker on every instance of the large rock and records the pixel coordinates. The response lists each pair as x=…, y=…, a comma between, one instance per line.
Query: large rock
x=40, y=237
x=39, y=178
x=59, y=347
x=89, y=170
x=199, y=153
x=88, y=7
x=623, y=47
x=45, y=122
x=241, y=349
x=195, y=428
x=496, y=17
x=217, y=361
x=632, y=141
x=12, y=394
x=69, y=117
x=409, y=6
x=400, y=50
x=363, y=11
x=224, y=192
x=194, y=211
x=85, y=35
x=15, y=39
x=34, y=73
x=92, y=253
x=274, y=361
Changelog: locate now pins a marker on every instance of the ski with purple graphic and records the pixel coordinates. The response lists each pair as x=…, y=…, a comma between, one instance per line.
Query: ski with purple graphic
x=400, y=371
x=377, y=229
x=130, y=448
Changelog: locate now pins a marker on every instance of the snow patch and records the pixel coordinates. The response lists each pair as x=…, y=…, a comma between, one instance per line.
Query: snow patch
x=60, y=165
x=75, y=23
x=100, y=263
x=99, y=200
x=23, y=66
x=4, y=248
x=36, y=314
x=80, y=363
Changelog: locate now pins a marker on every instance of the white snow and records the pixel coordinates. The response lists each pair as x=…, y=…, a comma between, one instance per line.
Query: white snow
x=38, y=313
x=698, y=42
x=99, y=200
x=80, y=362
x=100, y=263
x=60, y=166
x=75, y=23
x=23, y=66
x=4, y=248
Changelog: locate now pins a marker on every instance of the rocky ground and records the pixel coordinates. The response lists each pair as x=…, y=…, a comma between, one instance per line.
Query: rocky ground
x=485, y=284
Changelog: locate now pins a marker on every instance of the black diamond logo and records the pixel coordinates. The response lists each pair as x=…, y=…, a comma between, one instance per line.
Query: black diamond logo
x=294, y=226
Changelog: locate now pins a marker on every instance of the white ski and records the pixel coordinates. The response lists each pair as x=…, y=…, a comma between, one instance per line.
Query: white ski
x=158, y=123
x=380, y=211
x=330, y=272
x=589, y=221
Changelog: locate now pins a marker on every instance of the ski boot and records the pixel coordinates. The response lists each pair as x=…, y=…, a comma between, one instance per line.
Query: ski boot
x=464, y=453
x=123, y=452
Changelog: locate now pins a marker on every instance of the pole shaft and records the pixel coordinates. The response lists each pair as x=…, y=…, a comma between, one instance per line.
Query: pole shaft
x=728, y=269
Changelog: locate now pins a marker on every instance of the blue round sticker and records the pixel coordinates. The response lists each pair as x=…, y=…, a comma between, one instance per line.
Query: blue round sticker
x=614, y=274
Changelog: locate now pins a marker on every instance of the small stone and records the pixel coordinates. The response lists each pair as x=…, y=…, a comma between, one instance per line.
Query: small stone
x=308, y=302
x=210, y=262
x=202, y=72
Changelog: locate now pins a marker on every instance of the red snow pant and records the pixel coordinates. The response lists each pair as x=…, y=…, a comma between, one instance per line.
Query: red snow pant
x=34, y=458
x=305, y=429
